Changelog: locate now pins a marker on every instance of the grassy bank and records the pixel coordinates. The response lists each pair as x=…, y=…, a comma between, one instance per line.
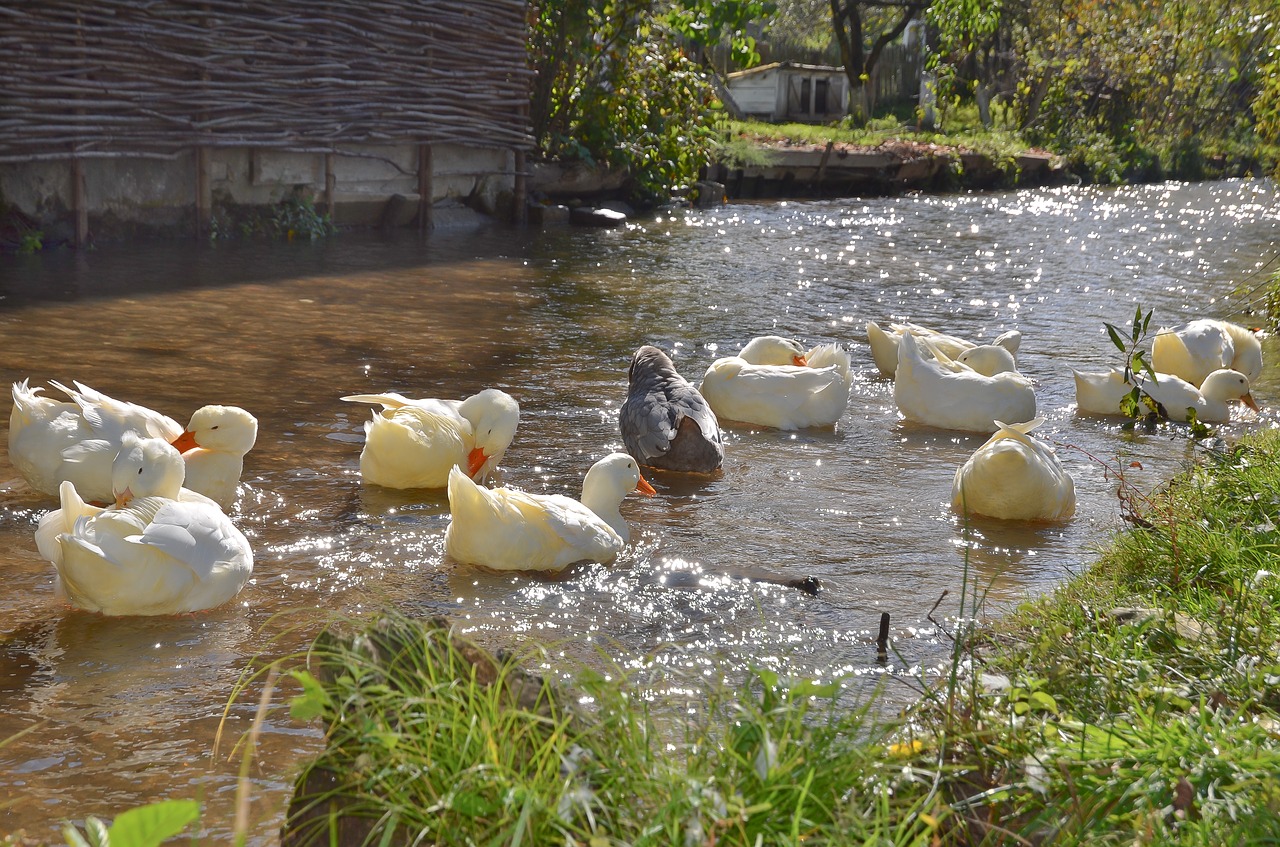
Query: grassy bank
x=1136, y=705
x=748, y=142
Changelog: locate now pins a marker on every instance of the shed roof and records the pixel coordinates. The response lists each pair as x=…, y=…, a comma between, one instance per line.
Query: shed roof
x=786, y=66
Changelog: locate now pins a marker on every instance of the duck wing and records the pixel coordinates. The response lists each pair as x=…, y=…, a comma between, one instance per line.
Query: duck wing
x=658, y=403
x=110, y=418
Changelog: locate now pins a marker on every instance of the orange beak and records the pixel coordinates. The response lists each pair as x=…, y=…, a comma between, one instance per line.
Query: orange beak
x=123, y=498
x=185, y=442
x=1250, y=402
x=645, y=488
x=801, y=361
x=475, y=461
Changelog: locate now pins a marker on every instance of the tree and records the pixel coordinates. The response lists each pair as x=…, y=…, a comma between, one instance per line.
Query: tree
x=859, y=23
x=1128, y=88
x=616, y=86
x=1266, y=106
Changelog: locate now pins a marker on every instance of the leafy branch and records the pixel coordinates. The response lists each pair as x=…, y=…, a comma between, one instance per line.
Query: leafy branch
x=1138, y=404
x=1135, y=362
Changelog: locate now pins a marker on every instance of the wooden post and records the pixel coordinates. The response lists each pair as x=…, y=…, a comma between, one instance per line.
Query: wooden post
x=79, y=203
x=425, y=189
x=822, y=165
x=204, y=196
x=520, y=190
x=330, y=184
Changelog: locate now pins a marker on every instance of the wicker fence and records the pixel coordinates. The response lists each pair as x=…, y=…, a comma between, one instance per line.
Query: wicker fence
x=127, y=78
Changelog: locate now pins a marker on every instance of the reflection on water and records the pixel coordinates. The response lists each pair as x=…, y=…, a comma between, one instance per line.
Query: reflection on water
x=118, y=712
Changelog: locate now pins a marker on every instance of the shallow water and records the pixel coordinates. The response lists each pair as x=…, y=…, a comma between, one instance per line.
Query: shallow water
x=117, y=712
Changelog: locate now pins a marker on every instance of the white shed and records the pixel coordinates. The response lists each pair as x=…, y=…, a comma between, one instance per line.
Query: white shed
x=790, y=91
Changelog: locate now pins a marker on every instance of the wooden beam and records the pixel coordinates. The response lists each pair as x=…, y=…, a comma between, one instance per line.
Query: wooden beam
x=204, y=196
x=330, y=184
x=426, y=187
x=520, y=190
x=79, y=203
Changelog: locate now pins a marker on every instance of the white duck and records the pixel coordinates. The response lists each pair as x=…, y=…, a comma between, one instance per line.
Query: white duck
x=1014, y=477
x=51, y=441
x=1196, y=349
x=415, y=443
x=946, y=394
x=151, y=553
x=1101, y=393
x=774, y=382
x=989, y=359
x=507, y=529
x=884, y=345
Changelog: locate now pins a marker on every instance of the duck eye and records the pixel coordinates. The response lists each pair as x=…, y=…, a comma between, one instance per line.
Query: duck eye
x=215, y=426
x=139, y=471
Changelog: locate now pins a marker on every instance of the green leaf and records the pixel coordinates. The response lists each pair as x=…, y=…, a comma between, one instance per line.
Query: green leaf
x=810, y=688
x=1044, y=701
x=768, y=677
x=473, y=805
x=1131, y=404
x=1116, y=338
x=148, y=826
x=1137, y=325
x=313, y=701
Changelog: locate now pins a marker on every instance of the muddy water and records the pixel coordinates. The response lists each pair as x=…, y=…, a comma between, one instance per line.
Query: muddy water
x=110, y=713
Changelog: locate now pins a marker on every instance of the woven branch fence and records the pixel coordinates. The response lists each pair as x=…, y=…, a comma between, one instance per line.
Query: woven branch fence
x=113, y=78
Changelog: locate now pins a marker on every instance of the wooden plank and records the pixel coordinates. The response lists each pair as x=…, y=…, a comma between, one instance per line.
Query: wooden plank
x=204, y=195
x=330, y=184
x=79, y=203
x=426, y=188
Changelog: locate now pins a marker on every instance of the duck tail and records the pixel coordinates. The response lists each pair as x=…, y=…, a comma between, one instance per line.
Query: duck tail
x=386, y=401
x=825, y=355
x=1020, y=432
x=26, y=404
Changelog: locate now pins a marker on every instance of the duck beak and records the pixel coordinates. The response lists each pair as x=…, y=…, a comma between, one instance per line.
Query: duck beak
x=475, y=461
x=1250, y=402
x=645, y=488
x=801, y=361
x=123, y=498
x=185, y=442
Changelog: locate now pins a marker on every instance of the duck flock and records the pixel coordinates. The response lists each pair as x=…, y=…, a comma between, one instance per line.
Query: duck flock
x=142, y=528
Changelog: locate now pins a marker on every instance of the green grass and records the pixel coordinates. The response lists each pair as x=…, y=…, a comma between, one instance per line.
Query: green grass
x=1066, y=723
x=1092, y=157
x=437, y=742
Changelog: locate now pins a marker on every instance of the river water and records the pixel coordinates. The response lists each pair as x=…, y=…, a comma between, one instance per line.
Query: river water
x=102, y=714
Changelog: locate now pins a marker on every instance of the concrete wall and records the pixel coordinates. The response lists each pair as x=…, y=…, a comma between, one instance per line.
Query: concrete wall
x=372, y=186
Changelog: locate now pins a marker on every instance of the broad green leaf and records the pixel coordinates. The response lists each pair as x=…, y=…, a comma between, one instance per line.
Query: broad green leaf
x=148, y=826
x=473, y=805
x=313, y=701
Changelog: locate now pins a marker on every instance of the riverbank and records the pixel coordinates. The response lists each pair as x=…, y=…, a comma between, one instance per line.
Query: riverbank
x=1136, y=703
x=834, y=169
